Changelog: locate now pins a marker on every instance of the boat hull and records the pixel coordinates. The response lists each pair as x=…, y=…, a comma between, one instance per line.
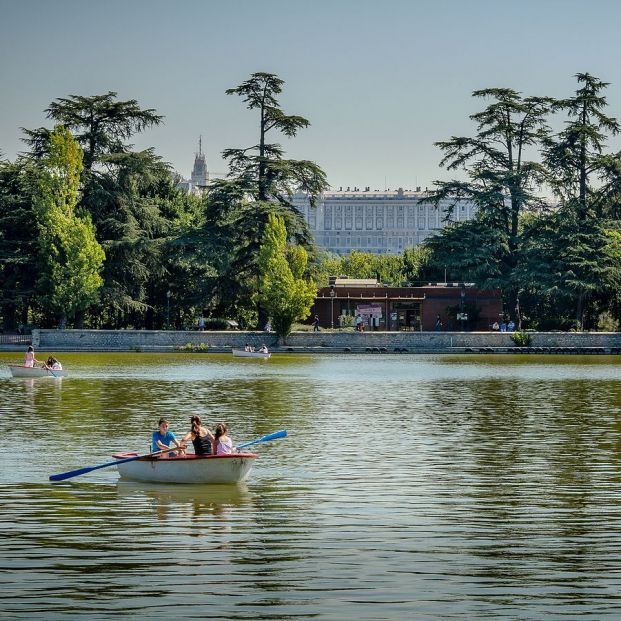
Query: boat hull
x=241, y=353
x=189, y=469
x=19, y=370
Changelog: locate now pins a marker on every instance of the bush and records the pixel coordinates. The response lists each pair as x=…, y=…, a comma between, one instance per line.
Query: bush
x=346, y=321
x=607, y=323
x=203, y=347
x=521, y=339
x=215, y=323
x=301, y=327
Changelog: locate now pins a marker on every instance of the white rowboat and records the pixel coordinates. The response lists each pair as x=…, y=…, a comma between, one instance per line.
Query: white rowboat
x=195, y=469
x=242, y=353
x=19, y=370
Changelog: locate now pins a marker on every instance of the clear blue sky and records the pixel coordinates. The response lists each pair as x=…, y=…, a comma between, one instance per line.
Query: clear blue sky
x=380, y=82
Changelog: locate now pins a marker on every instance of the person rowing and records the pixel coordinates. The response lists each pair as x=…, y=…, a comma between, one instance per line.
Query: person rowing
x=202, y=439
x=163, y=438
x=53, y=364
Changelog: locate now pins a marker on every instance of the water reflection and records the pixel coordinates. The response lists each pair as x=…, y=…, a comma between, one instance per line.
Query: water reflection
x=408, y=487
x=192, y=501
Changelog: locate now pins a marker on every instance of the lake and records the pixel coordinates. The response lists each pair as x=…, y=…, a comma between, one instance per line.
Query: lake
x=409, y=487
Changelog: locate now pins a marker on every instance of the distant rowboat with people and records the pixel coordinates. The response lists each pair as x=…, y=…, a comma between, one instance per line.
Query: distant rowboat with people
x=242, y=353
x=20, y=370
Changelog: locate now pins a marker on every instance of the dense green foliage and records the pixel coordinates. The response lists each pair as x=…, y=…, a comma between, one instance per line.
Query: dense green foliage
x=18, y=243
x=70, y=256
x=410, y=268
x=500, y=180
x=285, y=293
x=94, y=233
x=261, y=183
x=546, y=227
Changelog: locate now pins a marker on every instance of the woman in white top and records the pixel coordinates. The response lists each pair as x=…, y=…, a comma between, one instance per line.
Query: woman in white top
x=222, y=444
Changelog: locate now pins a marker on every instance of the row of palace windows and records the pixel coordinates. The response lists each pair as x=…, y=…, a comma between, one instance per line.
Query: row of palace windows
x=389, y=223
x=371, y=242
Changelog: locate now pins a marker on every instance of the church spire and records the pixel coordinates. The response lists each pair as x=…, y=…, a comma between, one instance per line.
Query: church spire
x=200, y=175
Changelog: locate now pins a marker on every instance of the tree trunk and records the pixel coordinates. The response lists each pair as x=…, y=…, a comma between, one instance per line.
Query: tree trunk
x=513, y=305
x=8, y=316
x=262, y=317
x=79, y=319
x=580, y=309
x=518, y=316
x=149, y=318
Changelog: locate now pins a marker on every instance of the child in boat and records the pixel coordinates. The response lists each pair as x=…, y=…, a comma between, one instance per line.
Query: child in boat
x=30, y=360
x=163, y=438
x=202, y=438
x=221, y=442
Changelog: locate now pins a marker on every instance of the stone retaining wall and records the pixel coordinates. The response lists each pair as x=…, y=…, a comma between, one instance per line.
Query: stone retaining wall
x=145, y=340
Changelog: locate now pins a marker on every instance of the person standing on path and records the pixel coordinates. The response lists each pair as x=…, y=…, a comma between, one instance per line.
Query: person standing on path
x=359, y=323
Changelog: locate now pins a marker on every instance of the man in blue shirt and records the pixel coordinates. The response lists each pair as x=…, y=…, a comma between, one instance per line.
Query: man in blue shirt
x=162, y=438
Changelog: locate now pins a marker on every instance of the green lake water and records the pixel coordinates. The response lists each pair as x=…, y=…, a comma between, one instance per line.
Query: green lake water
x=409, y=487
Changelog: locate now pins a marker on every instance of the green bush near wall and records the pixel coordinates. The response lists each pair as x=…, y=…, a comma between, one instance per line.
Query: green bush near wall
x=202, y=347
x=521, y=339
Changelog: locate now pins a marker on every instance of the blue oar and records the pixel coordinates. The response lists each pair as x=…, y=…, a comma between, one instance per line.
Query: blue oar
x=272, y=436
x=74, y=473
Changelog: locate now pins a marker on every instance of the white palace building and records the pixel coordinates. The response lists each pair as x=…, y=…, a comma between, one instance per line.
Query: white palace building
x=353, y=219
x=378, y=222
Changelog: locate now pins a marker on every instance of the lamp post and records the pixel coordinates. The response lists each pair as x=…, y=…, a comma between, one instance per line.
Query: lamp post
x=168, y=296
x=461, y=314
x=332, y=294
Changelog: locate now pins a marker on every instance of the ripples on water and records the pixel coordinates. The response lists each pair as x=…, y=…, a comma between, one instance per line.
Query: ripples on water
x=409, y=488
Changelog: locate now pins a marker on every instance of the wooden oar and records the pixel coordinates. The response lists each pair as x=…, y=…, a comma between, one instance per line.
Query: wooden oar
x=272, y=436
x=74, y=473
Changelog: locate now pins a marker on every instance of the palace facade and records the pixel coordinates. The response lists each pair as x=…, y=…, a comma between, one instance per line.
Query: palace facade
x=374, y=221
x=380, y=222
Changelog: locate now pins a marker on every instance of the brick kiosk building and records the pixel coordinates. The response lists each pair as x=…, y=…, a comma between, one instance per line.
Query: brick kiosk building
x=460, y=306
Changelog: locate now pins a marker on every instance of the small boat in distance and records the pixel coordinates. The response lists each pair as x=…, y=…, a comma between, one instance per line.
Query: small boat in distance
x=19, y=370
x=242, y=353
x=194, y=469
